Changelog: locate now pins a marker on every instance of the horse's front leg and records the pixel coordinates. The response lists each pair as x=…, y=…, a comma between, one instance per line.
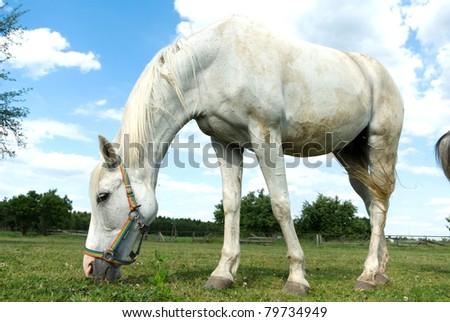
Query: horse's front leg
x=230, y=160
x=271, y=161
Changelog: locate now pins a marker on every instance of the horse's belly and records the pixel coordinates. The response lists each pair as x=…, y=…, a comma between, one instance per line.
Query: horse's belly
x=317, y=137
x=322, y=143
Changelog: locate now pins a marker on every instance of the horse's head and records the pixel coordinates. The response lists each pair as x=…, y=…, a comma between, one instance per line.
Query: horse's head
x=123, y=205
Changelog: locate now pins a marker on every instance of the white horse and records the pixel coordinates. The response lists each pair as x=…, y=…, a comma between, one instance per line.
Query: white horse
x=248, y=89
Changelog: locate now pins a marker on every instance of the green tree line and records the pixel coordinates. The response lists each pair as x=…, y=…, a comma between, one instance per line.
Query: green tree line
x=326, y=215
x=41, y=213
x=46, y=212
x=183, y=226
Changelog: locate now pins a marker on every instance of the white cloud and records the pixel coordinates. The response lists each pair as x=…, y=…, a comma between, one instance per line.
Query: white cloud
x=39, y=130
x=443, y=83
x=440, y=201
x=57, y=162
x=441, y=214
x=34, y=169
x=166, y=183
x=428, y=111
x=280, y=15
x=407, y=221
x=430, y=20
x=419, y=170
x=101, y=102
x=441, y=209
x=186, y=199
x=407, y=151
x=41, y=51
x=427, y=115
x=112, y=114
x=96, y=109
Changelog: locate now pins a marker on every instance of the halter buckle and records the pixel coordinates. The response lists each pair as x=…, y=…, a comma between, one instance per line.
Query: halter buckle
x=142, y=228
x=135, y=209
x=129, y=190
x=108, y=256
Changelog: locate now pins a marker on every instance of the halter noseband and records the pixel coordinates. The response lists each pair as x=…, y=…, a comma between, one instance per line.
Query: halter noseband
x=134, y=216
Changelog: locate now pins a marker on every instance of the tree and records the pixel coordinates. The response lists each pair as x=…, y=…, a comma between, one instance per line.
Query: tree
x=22, y=211
x=448, y=220
x=328, y=215
x=79, y=220
x=256, y=213
x=5, y=220
x=35, y=211
x=11, y=111
x=54, y=212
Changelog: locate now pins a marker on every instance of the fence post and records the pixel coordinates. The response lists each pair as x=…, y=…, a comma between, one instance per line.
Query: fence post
x=318, y=239
x=160, y=237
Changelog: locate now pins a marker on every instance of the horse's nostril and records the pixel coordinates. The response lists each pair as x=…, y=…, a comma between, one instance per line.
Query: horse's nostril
x=87, y=265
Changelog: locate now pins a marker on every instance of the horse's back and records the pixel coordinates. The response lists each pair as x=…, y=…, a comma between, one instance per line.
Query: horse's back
x=308, y=89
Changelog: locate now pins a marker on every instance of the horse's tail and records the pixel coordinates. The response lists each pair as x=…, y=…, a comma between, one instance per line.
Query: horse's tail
x=442, y=151
x=380, y=184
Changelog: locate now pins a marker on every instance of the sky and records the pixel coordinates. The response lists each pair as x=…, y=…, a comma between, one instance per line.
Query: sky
x=82, y=58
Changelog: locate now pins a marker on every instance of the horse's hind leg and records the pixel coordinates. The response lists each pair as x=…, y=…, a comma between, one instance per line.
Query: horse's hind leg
x=371, y=169
x=230, y=160
x=382, y=155
x=354, y=158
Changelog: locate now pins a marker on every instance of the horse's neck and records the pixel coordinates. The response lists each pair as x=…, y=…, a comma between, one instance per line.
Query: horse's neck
x=166, y=127
x=144, y=142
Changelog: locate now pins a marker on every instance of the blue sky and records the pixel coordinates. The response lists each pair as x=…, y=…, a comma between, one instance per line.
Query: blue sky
x=82, y=58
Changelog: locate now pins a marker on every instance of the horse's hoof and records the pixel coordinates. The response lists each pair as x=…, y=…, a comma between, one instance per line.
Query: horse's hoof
x=381, y=279
x=296, y=288
x=218, y=283
x=363, y=285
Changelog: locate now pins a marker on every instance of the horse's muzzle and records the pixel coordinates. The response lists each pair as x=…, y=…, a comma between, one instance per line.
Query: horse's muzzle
x=100, y=269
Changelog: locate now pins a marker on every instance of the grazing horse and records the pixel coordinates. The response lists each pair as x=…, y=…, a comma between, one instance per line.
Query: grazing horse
x=248, y=89
x=442, y=150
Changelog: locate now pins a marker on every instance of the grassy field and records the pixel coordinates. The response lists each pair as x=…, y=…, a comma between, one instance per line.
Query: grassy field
x=40, y=268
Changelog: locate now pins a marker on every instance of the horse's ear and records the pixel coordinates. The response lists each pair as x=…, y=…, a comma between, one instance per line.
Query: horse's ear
x=109, y=152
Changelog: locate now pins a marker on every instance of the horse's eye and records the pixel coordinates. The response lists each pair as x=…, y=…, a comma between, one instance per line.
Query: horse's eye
x=101, y=197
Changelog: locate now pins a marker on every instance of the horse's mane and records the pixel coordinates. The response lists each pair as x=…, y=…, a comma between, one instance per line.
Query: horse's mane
x=162, y=75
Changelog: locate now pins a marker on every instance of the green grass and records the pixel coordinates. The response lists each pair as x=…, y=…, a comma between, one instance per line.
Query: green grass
x=40, y=268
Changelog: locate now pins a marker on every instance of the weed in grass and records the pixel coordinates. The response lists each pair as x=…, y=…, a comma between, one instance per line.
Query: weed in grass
x=160, y=280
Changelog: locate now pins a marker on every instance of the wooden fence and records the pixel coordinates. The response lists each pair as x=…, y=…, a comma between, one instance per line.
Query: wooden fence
x=318, y=239
x=398, y=240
